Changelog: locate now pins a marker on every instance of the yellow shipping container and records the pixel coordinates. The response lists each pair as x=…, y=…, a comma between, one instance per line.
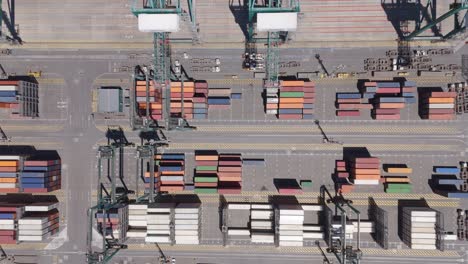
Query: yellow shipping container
x=8, y=163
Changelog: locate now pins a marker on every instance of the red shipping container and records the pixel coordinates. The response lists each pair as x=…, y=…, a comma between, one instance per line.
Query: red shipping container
x=307, y=111
x=367, y=160
x=171, y=188
x=387, y=111
x=348, y=113
x=7, y=240
x=309, y=84
x=387, y=117
x=290, y=116
x=309, y=95
x=230, y=179
x=230, y=169
x=7, y=232
x=290, y=191
x=408, y=89
x=440, y=117
x=340, y=163
x=444, y=94
x=206, y=163
x=199, y=99
x=9, y=169
x=309, y=89
x=201, y=84
x=342, y=174
x=229, y=191
x=230, y=163
x=206, y=184
x=388, y=90
x=438, y=111
x=309, y=100
x=362, y=165
x=367, y=84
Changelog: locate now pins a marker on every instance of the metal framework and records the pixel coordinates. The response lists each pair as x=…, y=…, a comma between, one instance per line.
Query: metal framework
x=273, y=38
x=454, y=10
x=344, y=253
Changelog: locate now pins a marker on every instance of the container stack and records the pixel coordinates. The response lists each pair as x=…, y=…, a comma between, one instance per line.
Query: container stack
x=155, y=99
x=171, y=171
x=388, y=107
x=312, y=231
x=206, y=172
x=9, y=215
x=418, y=227
x=39, y=176
x=114, y=222
x=230, y=173
x=309, y=100
x=271, y=100
x=341, y=177
x=40, y=221
x=291, y=225
x=219, y=98
x=9, y=168
x=182, y=98
x=19, y=98
x=365, y=171
x=243, y=232
x=291, y=100
x=350, y=104
x=187, y=220
x=262, y=223
x=438, y=106
x=408, y=91
x=137, y=220
x=400, y=183
x=200, y=100
x=158, y=222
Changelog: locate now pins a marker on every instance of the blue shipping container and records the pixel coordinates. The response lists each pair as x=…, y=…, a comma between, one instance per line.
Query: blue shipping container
x=451, y=182
x=309, y=106
x=388, y=84
x=199, y=105
x=147, y=180
x=7, y=216
x=368, y=95
x=408, y=94
x=371, y=89
x=447, y=170
x=290, y=111
x=7, y=175
x=219, y=100
x=462, y=195
x=253, y=162
x=200, y=110
x=169, y=156
x=410, y=100
x=199, y=116
x=348, y=95
x=33, y=174
x=7, y=99
x=391, y=99
x=7, y=93
x=236, y=96
x=170, y=168
x=410, y=83
x=308, y=116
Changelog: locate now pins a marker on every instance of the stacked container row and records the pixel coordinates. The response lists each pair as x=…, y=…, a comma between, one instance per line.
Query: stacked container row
x=206, y=172
x=291, y=225
x=200, y=100
x=171, y=171
x=9, y=169
x=418, y=227
x=365, y=171
x=113, y=223
x=219, y=98
x=230, y=173
x=341, y=177
x=155, y=99
x=9, y=216
x=41, y=175
x=187, y=223
x=400, y=183
x=350, y=104
x=19, y=98
x=438, y=105
x=158, y=221
x=262, y=223
x=137, y=220
x=182, y=99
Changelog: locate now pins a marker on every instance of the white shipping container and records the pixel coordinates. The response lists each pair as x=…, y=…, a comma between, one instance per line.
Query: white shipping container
x=7, y=227
x=423, y=235
x=188, y=242
x=365, y=230
x=424, y=213
x=7, y=222
x=272, y=100
x=5, y=88
x=33, y=220
x=421, y=225
x=272, y=111
x=40, y=207
x=158, y=232
x=38, y=232
x=239, y=206
x=30, y=238
x=423, y=219
x=158, y=22
x=366, y=182
x=261, y=224
x=186, y=222
x=158, y=221
x=187, y=208
x=422, y=246
x=239, y=232
x=261, y=214
x=422, y=241
x=137, y=212
x=157, y=239
x=136, y=233
x=313, y=235
x=186, y=216
x=450, y=237
x=312, y=207
x=158, y=226
x=262, y=206
x=137, y=217
x=284, y=243
x=272, y=90
x=138, y=207
x=172, y=178
x=277, y=21
x=291, y=227
x=441, y=106
x=137, y=223
x=291, y=238
x=312, y=228
x=4, y=157
x=291, y=220
x=186, y=227
x=186, y=232
x=7, y=185
x=363, y=224
x=291, y=232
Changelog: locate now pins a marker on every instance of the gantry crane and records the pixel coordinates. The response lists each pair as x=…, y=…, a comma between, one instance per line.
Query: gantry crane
x=273, y=37
x=9, y=20
x=336, y=236
x=159, y=73
x=454, y=10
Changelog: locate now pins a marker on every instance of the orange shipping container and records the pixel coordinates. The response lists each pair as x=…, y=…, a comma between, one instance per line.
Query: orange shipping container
x=141, y=82
x=400, y=170
x=231, y=179
x=367, y=177
x=391, y=105
x=169, y=188
x=272, y=106
x=291, y=106
x=156, y=106
x=207, y=157
x=292, y=83
x=8, y=180
x=291, y=100
x=397, y=179
x=8, y=163
x=442, y=100
x=366, y=171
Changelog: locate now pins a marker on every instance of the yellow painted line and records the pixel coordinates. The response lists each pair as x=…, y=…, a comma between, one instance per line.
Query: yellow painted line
x=32, y=127
x=410, y=252
x=395, y=203
x=25, y=246
x=317, y=147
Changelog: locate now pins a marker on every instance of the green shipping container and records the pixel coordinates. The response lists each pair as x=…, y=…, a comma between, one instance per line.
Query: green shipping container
x=206, y=168
x=306, y=183
x=206, y=179
x=398, y=186
x=291, y=94
x=206, y=190
x=398, y=190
